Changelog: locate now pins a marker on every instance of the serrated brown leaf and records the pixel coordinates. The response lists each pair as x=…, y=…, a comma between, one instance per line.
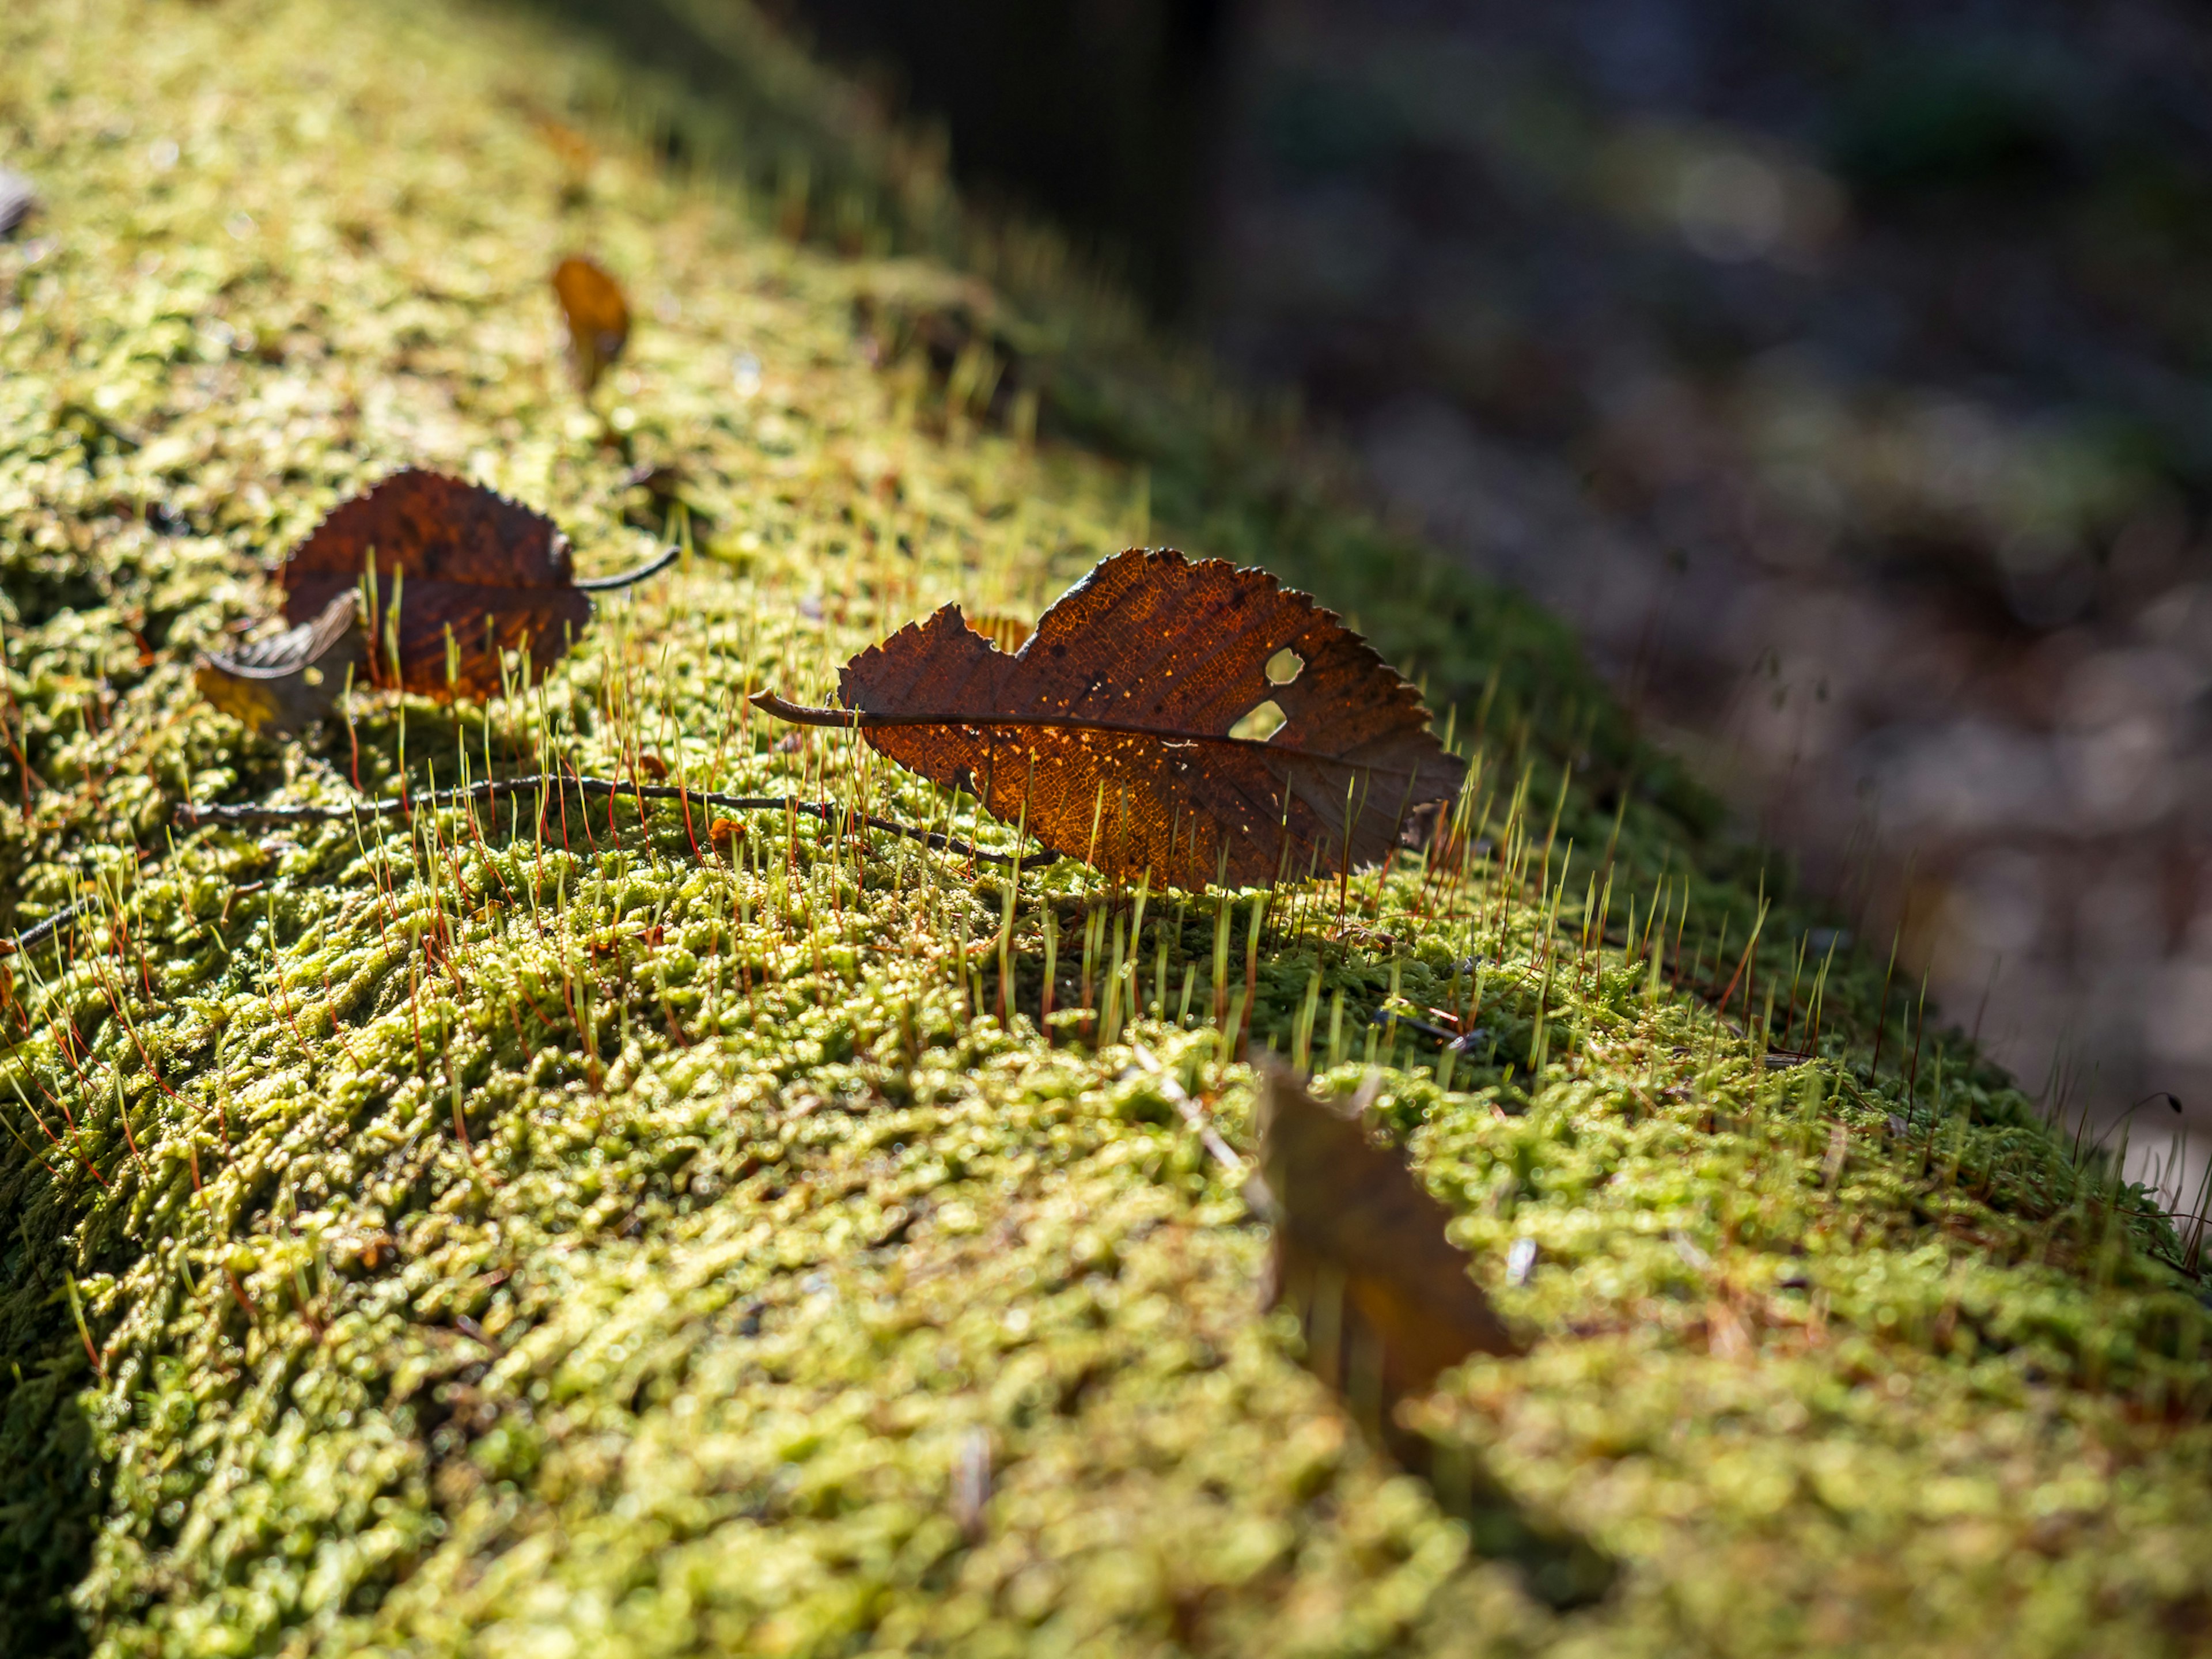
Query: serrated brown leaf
x=1182, y=718
x=597, y=317
x=285, y=683
x=1360, y=1252
x=470, y=575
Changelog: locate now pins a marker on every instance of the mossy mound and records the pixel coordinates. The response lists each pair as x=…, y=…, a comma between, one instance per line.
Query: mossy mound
x=440, y=1236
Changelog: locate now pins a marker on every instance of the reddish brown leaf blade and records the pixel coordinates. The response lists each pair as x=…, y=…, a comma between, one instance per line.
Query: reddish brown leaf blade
x=459, y=558
x=597, y=313
x=438, y=528
x=1121, y=729
x=1360, y=1252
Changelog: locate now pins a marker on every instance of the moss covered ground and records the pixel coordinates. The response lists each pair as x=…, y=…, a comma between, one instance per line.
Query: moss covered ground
x=440, y=1236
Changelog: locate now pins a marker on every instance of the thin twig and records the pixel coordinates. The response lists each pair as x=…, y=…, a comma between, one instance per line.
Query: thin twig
x=191, y=814
x=39, y=932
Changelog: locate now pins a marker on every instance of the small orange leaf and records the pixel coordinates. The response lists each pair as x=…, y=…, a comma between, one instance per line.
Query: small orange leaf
x=598, y=317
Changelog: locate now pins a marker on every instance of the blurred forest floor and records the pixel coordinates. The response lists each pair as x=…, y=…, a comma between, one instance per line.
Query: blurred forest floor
x=1841, y=373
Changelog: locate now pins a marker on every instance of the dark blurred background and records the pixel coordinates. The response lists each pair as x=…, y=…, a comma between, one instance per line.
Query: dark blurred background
x=1843, y=372
x=1105, y=115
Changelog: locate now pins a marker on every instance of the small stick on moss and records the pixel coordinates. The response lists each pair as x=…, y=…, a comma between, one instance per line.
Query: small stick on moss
x=191, y=814
x=39, y=933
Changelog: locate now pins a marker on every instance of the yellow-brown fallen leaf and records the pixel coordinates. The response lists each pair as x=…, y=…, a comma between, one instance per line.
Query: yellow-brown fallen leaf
x=576, y=151
x=597, y=317
x=1387, y=1307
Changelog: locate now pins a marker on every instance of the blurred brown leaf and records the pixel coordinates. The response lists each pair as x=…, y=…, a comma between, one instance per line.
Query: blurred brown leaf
x=1359, y=1251
x=576, y=152
x=1177, y=717
x=1387, y=1307
x=470, y=574
x=598, y=317
x=284, y=684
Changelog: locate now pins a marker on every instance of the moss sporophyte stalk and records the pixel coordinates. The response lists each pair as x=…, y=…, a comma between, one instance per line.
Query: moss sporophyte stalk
x=536, y=1220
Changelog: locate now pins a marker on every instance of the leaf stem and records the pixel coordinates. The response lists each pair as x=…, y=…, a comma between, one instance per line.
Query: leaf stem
x=622, y=579
x=861, y=720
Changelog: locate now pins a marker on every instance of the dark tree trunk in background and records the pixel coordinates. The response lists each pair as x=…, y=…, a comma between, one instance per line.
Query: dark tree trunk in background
x=1100, y=112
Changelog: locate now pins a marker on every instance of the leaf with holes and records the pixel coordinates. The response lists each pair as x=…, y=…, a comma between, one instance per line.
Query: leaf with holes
x=597, y=317
x=454, y=575
x=284, y=684
x=1360, y=1252
x=1188, y=718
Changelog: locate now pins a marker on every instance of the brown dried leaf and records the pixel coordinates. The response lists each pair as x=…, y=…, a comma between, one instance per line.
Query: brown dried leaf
x=1359, y=1251
x=598, y=317
x=284, y=684
x=470, y=574
x=1177, y=717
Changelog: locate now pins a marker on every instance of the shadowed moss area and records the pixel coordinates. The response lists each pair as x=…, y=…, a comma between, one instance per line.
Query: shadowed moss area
x=598, y=1232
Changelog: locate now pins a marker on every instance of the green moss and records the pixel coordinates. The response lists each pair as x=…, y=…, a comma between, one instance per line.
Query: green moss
x=603, y=1243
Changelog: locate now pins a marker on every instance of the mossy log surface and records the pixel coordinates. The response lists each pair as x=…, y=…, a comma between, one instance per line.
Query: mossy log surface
x=440, y=1236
